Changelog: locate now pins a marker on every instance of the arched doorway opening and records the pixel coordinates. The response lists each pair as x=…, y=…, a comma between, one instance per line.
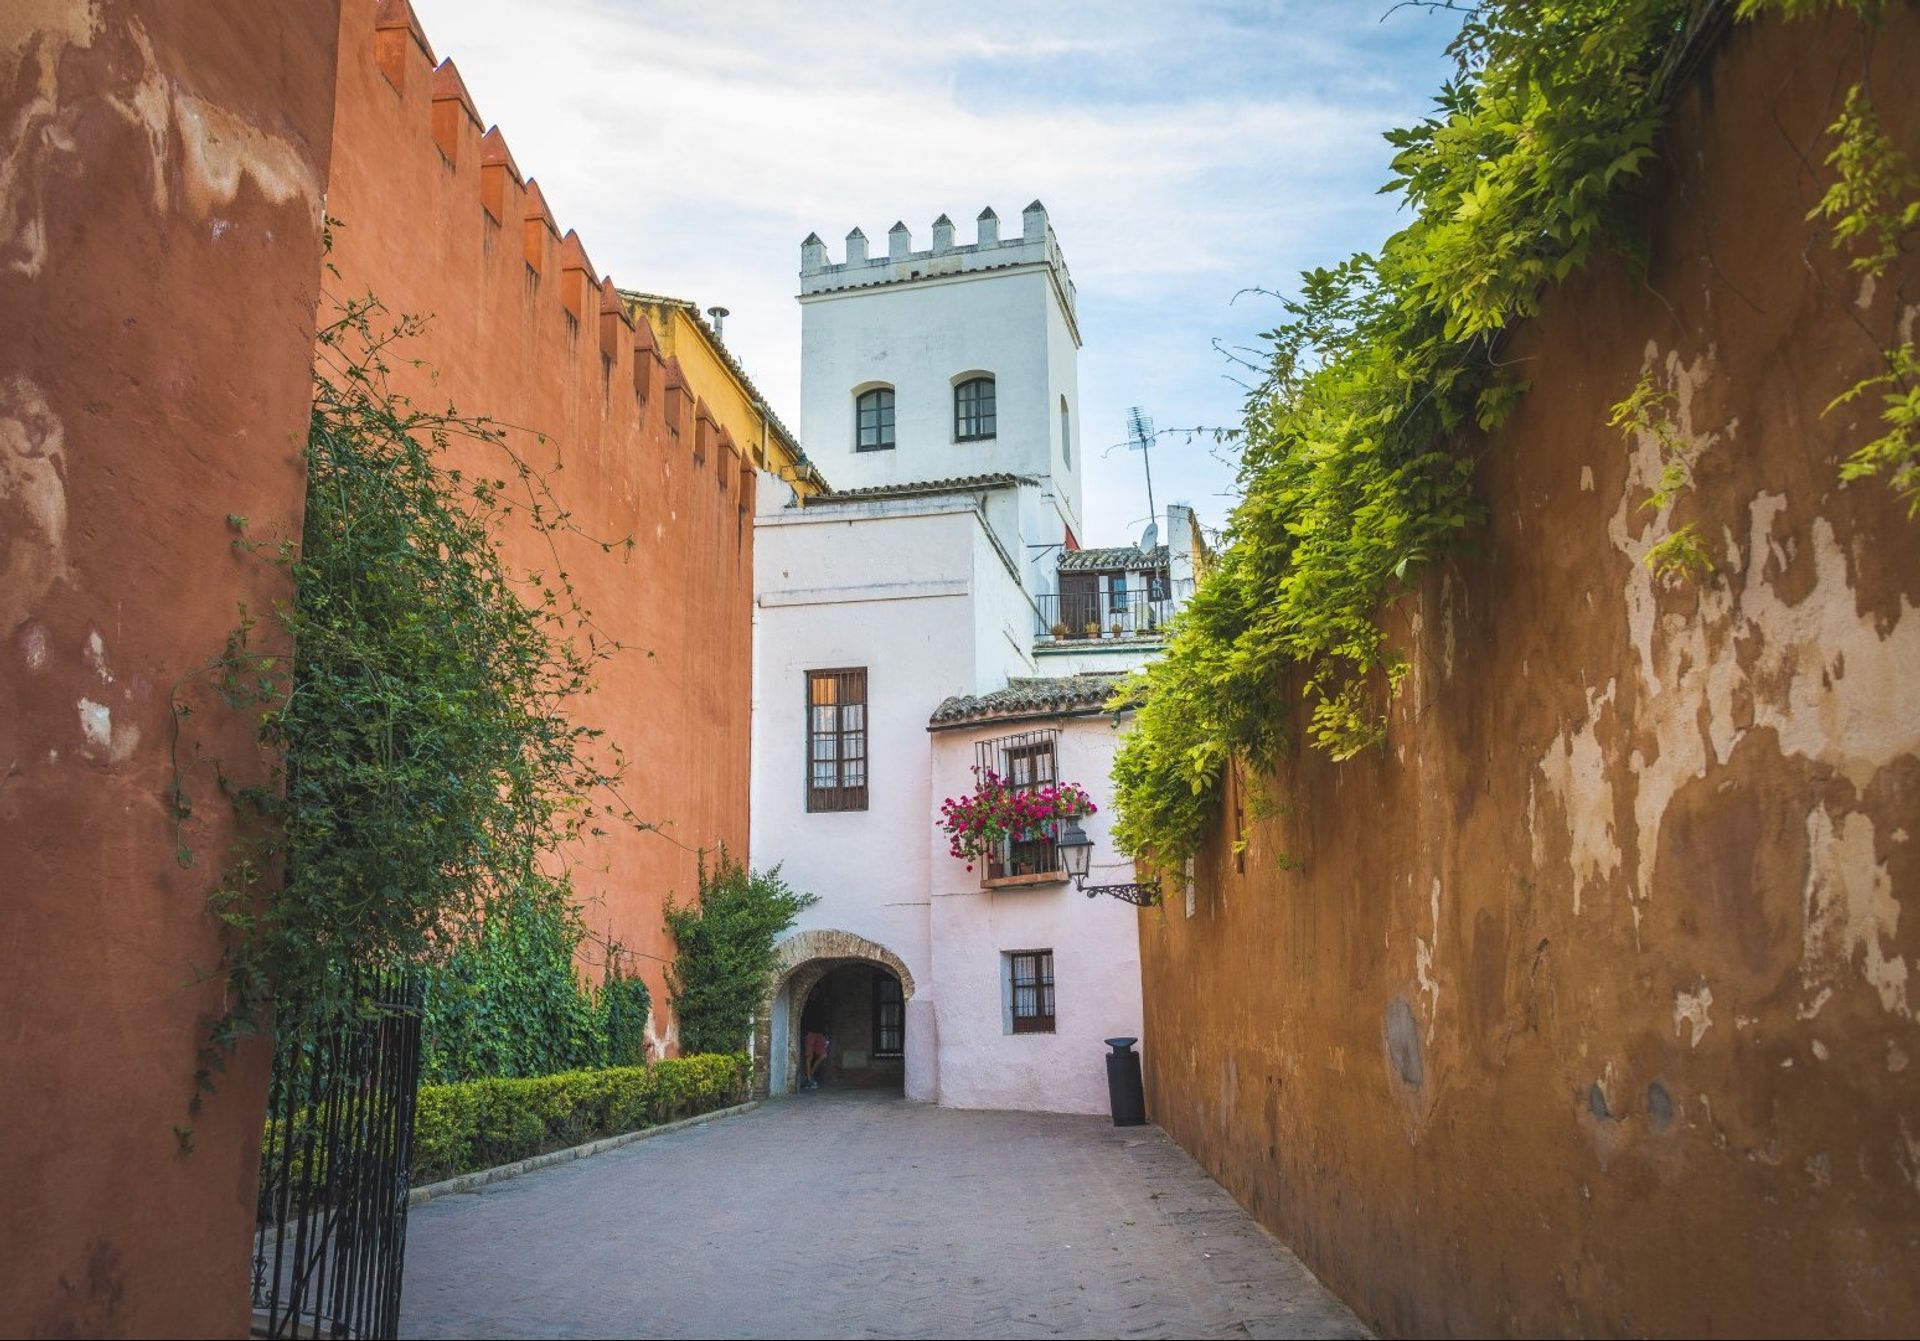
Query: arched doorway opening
x=860, y=1010
x=849, y=983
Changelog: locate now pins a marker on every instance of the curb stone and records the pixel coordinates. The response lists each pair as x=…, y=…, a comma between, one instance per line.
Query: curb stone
x=473, y=1182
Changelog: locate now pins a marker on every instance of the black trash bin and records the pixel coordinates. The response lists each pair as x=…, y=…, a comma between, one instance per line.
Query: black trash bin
x=1125, y=1094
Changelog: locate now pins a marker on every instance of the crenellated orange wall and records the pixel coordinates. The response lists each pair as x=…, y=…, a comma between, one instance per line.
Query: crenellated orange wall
x=436, y=220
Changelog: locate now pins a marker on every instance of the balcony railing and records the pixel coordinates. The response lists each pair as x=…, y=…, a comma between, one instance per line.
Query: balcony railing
x=1088, y=616
x=1031, y=857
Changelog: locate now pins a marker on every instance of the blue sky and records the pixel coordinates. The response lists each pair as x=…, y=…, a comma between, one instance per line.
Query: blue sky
x=1184, y=151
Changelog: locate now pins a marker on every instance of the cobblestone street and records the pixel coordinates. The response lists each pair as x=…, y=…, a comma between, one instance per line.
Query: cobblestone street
x=856, y=1214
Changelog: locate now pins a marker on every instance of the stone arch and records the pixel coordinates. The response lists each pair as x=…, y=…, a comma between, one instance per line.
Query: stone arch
x=799, y=962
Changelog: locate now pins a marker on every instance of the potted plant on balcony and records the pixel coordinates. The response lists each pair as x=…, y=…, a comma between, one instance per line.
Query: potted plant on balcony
x=1117, y=628
x=1057, y=629
x=995, y=814
x=1092, y=629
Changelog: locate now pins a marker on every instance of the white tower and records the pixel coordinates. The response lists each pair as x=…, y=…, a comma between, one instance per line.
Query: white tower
x=950, y=362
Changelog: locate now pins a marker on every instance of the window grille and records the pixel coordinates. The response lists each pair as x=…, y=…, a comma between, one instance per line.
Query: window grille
x=1025, y=763
x=837, y=740
x=973, y=410
x=889, y=1017
x=1032, y=980
x=875, y=417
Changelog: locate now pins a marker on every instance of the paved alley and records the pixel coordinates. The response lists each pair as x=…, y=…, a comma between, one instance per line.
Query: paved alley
x=857, y=1214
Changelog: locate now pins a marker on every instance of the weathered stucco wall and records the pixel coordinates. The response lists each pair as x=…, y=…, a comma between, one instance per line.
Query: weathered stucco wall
x=1587, y=1008
x=436, y=220
x=160, y=191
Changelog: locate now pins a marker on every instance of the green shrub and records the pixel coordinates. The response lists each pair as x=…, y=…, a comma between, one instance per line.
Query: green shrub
x=725, y=951
x=477, y=1124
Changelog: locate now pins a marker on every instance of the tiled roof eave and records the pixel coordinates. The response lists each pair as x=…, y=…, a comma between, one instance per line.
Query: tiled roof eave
x=1021, y=715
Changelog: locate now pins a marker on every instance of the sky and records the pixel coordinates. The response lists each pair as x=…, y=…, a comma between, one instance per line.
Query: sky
x=1185, y=152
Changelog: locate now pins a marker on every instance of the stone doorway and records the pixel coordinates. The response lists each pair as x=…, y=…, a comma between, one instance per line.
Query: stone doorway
x=847, y=982
x=859, y=1007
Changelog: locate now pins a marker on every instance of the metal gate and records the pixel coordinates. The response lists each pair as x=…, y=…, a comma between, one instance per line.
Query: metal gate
x=331, y=1231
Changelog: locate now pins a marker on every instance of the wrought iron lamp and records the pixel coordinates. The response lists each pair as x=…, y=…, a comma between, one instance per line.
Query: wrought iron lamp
x=1076, y=850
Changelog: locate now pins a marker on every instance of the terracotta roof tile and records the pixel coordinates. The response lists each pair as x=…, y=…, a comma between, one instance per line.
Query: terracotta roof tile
x=1118, y=559
x=1061, y=696
x=911, y=488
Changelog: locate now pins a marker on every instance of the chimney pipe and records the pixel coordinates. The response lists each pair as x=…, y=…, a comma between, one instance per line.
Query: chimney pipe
x=719, y=315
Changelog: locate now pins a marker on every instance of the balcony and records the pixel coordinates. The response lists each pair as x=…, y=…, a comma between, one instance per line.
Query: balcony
x=1032, y=861
x=1090, y=616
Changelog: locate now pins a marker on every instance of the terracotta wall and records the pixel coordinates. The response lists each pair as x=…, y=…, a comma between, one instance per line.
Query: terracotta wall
x=160, y=192
x=1588, y=1008
x=435, y=219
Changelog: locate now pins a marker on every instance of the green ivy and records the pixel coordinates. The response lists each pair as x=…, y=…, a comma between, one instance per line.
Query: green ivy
x=1872, y=208
x=414, y=701
x=726, y=951
x=509, y=1001
x=1359, y=439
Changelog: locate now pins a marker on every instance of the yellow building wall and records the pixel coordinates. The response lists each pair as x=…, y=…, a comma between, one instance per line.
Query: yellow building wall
x=735, y=405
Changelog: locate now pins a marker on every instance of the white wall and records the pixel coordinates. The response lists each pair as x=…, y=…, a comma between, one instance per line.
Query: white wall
x=918, y=337
x=1095, y=944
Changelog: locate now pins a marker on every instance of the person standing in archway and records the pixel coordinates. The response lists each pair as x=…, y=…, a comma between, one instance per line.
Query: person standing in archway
x=814, y=1050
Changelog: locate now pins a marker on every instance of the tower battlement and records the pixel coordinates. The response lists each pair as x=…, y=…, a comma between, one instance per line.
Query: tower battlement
x=1035, y=243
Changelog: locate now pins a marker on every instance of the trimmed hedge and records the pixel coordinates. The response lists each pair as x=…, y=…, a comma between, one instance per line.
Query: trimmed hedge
x=477, y=1124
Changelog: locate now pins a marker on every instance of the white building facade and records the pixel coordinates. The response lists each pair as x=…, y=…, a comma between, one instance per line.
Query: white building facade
x=932, y=612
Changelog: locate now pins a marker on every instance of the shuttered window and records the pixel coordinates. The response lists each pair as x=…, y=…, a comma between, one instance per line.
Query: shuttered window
x=837, y=739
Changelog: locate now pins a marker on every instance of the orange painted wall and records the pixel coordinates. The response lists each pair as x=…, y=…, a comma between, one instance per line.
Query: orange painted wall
x=1582, y=1008
x=159, y=259
x=434, y=219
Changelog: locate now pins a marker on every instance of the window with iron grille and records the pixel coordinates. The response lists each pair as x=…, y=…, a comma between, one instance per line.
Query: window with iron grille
x=1025, y=763
x=889, y=1017
x=1030, y=975
x=874, y=414
x=837, y=739
x=973, y=415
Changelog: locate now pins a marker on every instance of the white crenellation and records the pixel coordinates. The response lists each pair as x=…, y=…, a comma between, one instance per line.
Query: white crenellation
x=1036, y=246
x=813, y=255
x=1033, y=223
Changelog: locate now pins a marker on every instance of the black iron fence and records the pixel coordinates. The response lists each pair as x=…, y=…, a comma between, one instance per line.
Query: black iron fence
x=331, y=1230
x=1066, y=616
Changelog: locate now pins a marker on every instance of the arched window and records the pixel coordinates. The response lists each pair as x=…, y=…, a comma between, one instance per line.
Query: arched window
x=1066, y=433
x=973, y=416
x=874, y=420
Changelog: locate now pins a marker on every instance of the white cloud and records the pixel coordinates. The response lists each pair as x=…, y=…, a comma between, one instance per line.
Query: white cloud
x=1181, y=153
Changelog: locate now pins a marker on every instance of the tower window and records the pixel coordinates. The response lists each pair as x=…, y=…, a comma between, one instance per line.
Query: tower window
x=1066, y=434
x=973, y=416
x=875, y=420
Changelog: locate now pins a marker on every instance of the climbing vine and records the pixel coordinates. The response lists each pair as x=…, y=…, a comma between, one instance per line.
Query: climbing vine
x=509, y=1001
x=421, y=764
x=1358, y=438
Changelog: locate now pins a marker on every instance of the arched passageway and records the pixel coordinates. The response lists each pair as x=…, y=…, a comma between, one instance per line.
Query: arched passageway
x=856, y=990
x=858, y=1008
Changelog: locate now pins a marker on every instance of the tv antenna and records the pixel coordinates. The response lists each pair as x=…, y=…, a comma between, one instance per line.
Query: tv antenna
x=1140, y=439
